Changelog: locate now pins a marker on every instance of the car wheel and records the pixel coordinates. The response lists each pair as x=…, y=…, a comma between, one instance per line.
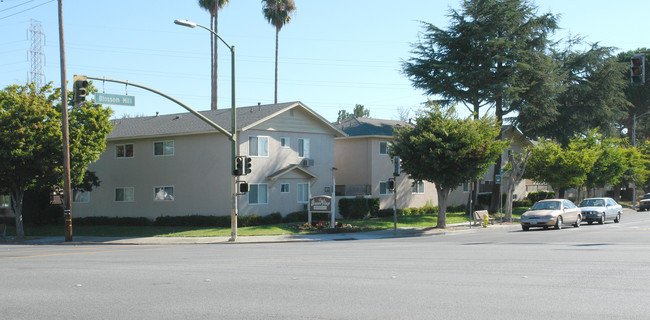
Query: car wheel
x=618, y=218
x=525, y=228
x=590, y=222
x=602, y=219
x=577, y=224
x=558, y=223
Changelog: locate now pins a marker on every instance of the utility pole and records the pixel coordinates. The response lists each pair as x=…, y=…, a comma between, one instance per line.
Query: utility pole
x=67, y=197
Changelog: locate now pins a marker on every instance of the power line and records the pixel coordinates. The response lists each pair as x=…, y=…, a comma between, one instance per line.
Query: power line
x=19, y=12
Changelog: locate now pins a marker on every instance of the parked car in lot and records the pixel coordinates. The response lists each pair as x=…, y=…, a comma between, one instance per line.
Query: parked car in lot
x=551, y=212
x=644, y=204
x=600, y=209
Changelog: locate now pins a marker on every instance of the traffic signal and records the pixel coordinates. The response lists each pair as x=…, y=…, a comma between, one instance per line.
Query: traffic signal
x=391, y=184
x=243, y=187
x=239, y=166
x=80, y=87
x=247, y=165
x=637, y=69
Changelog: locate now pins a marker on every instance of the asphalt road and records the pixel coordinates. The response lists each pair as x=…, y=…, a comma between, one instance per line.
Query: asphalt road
x=591, y=272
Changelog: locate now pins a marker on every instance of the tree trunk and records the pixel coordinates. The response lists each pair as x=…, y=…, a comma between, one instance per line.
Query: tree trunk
x=495, y=199
x=277, y=35
x=442, y=206
x=17, y=197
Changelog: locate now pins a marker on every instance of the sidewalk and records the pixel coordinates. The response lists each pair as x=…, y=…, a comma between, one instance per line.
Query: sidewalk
x=381, y=234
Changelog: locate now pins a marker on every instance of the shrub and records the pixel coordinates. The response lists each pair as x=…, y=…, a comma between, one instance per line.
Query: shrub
x=111, y=221
x=301, y=216
x=535, y=196
x=356, y=208
x=457, y=208
x=273, y=218
x=373, y=206
x=522, y=203
x=193, y=221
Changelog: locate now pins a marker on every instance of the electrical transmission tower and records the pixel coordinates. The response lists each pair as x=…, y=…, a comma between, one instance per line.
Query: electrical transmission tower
x=37, y=57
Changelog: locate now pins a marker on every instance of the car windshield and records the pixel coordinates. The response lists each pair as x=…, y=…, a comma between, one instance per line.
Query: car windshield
x=647, y=196
x=547, y=205
x=592, y=203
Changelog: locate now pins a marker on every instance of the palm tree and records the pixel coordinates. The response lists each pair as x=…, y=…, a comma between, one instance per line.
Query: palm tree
x=213, y=6
x=278, y=13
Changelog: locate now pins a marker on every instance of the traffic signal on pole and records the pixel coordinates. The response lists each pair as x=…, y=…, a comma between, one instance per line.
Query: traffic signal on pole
x=243, y=187
x=239, y=166
x=637, y=69
x=391, y=184
x=80, y=88
x=247, y=165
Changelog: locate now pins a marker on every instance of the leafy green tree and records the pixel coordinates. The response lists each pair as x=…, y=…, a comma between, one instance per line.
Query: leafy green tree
x=560, y=167
x=487, y=57
x=30, y=142
x=611, y=164
x=447, y=151
x=359, y=111
x=213, y=6
x=278, y=13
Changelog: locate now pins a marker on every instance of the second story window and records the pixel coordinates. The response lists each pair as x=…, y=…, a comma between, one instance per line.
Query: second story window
x=303, y=148
x=124, y=150
x=163, y=148
x=258, y=146
x=284, y=142
x=384, y=147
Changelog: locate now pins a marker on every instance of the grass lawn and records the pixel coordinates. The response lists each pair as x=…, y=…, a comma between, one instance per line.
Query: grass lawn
x=417, y=221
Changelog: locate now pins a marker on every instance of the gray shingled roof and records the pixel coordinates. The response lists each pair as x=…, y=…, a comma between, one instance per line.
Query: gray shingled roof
x=369, y=126
x=187, y=123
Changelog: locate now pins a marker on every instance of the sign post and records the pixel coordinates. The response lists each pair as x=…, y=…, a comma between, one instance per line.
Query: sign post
x=321, y=204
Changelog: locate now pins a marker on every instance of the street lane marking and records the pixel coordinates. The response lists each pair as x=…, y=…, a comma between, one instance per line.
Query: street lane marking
x=77, y=253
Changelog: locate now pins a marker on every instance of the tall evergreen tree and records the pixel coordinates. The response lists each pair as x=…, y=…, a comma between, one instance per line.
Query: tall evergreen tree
x=490, y=46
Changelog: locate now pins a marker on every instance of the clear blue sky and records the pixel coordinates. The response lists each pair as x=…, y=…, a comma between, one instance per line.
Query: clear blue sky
x=334, y=54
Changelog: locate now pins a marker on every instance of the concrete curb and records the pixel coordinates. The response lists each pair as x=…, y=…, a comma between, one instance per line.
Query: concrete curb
x=381, y=234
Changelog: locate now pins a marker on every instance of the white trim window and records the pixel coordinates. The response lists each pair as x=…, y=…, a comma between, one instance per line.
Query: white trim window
x=123, y=151
x=163, y=148
x=303, y=148
x=258, y=146
x=385, y=147
x=124, y=194
x=163, y=193
x=303, y=192
x=285, y=142
x=466, y=187
x=417, y=187
x=285, y=188
x=258, y=193
x=80, y=196
x=383, y=188
x=5, y=200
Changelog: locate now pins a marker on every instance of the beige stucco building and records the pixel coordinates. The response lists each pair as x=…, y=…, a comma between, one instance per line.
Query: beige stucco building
x=174, y=165
x=364, y=165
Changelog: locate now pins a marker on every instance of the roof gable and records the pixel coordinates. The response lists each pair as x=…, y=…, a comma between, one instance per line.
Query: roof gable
x=187, y=123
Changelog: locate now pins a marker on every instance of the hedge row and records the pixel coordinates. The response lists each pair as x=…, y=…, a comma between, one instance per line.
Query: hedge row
x=198, y=220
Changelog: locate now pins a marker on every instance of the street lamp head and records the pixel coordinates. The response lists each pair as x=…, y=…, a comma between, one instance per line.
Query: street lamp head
x=185, y=23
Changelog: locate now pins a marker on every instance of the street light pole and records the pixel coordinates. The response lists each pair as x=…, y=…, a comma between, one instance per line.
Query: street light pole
x=234, y=149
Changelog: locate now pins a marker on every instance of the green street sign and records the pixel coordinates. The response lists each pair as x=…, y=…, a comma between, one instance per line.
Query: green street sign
x=114, y=99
